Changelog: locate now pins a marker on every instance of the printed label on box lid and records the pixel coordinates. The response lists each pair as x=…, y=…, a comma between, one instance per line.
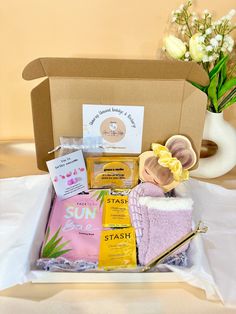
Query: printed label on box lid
x=68, y=174
x=121, y=127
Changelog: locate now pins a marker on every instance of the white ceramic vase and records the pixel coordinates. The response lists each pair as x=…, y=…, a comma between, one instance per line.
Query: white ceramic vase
x=219, y=131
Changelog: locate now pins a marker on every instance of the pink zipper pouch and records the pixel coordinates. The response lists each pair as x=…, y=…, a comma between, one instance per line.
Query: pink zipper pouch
x=74, y=227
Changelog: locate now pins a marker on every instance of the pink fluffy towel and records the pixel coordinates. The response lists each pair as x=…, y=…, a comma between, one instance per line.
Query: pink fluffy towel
x=165, y=221
x=135, y=209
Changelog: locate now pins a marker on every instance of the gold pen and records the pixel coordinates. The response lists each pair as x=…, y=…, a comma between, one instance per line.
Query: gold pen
x=157, y=260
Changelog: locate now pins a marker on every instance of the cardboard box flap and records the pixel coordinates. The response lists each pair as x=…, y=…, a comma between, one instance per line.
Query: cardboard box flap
x=116, y=69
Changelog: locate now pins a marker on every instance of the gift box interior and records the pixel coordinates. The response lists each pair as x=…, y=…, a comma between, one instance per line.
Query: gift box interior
x=172, y=105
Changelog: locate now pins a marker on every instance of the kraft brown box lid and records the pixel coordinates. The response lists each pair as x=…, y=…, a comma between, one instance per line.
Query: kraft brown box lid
x=172, y=105
x=115, y=68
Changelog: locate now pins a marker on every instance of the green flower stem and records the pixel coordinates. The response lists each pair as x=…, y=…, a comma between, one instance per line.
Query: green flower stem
x=186, y=17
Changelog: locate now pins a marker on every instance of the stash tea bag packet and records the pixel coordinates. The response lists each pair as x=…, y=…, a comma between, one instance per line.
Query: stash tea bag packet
x=74, y=227
x=117, y=249
x=116, y=212
x=68, y=174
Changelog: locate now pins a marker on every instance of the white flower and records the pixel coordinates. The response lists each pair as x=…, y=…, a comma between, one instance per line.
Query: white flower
x=174, y=46
x=230, y=15
x=210, y=58
x=209, y=48
x=217, y=23
x=174, y=18
x=228, y=39
x=214, y=42
x=200, y=39
x=227, y=17
x=187, y=54
x=232, y=12
x=209, y=31
x=225, y=44
x=218, y=37
x=231, y=45
x=205, y=12
x=228, y=44
x=205, y=59
x=215, y=56
x=196, y=48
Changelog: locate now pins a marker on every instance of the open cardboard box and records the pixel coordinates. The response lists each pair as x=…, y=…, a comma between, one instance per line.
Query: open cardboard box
x=172, y=105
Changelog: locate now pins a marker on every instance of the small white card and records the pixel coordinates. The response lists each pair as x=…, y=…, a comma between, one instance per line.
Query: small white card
x=68, y=174
x=121, y=127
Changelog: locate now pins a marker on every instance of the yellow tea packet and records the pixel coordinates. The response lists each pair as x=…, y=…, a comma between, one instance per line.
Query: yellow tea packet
x=117, y=249
x=116, y=212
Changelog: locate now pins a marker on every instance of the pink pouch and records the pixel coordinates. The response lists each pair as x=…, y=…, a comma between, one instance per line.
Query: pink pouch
x=74, y=227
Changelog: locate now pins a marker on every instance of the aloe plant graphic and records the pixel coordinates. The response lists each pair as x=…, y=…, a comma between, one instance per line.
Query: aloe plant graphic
x=54, y=247
x=100, y=195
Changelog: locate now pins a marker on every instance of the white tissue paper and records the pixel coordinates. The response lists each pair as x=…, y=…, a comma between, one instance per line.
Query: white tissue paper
x=24, y=207
x=214, y=253
x=22, y=214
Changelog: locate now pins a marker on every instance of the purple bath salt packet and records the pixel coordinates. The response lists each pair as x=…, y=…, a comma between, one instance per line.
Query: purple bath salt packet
x=74, y=227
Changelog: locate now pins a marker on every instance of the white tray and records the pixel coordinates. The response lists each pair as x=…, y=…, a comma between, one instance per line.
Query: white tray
x=93, y=277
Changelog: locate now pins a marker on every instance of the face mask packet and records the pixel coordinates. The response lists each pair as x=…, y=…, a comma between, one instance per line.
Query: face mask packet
x=74, y=227
x=114, y=172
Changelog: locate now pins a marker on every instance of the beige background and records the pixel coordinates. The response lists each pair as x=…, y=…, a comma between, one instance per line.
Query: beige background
x=76, y=28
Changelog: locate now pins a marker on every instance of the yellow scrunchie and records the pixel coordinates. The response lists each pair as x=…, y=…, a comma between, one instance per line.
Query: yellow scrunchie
x=166, y=160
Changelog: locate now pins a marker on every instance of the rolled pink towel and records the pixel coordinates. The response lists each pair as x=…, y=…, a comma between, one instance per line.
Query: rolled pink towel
x=165, y=221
